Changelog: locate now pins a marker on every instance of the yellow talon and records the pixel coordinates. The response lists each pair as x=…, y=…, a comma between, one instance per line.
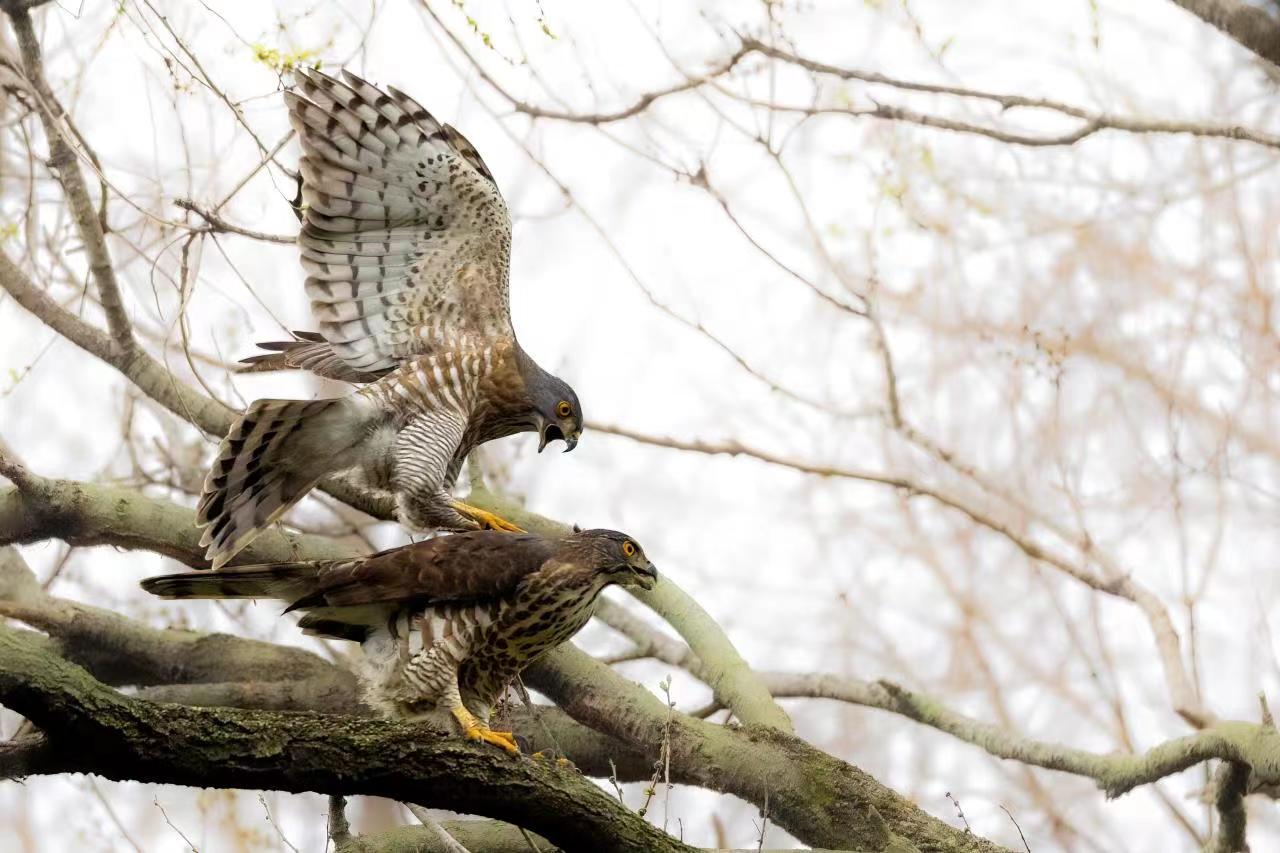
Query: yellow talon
x=484, y=518
x=504, y=740
x=473, y=729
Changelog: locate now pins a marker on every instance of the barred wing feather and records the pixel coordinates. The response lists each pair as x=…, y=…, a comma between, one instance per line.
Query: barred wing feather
x=406, y=239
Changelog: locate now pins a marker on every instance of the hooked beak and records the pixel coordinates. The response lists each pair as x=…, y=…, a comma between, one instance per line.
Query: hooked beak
x=646, y=576
x=551, y=432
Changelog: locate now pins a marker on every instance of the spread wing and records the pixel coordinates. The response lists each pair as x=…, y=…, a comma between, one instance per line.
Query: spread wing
x=406, y=240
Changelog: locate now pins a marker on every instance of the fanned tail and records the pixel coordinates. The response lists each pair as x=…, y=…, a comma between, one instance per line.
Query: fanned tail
x=275, y=452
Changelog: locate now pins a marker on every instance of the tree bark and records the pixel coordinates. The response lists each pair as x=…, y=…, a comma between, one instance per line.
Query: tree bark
x=1249, y=26
x=93, y=729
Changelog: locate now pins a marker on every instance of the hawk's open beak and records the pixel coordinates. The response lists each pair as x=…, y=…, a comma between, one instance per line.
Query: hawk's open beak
x=551, y=432
x=570, y=442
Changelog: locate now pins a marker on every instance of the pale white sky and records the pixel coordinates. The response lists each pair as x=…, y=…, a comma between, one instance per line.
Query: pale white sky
x=1109, y=238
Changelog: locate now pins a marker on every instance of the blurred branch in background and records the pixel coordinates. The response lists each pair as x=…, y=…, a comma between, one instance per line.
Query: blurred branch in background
x=976, y=298
x=1251, y=25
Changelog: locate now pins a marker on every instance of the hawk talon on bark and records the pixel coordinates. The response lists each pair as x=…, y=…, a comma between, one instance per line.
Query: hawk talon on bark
x=473, y=729
x=485, y=519
x=448, y=623
x=406, y=242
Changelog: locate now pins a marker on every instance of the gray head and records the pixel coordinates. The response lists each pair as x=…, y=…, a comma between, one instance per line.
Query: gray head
x=557, y=414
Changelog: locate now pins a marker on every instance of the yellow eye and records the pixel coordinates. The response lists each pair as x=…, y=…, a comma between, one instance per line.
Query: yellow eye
x=629, y=549
x=563, y=409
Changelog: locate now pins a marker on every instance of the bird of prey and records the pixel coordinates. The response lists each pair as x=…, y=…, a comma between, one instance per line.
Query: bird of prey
x=406, y=242
x=445, y=623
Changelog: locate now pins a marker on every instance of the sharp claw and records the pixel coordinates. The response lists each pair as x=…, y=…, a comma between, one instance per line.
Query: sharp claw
x=502, y=740
x=485, y=519
x=473, y=729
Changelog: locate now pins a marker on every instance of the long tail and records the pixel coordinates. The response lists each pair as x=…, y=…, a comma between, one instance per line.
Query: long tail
x=309, y=352
x=286, y=581
x=272, y=456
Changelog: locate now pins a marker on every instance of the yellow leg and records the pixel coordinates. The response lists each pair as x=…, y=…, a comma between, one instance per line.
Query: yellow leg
x=484, y=518
x=473, y=729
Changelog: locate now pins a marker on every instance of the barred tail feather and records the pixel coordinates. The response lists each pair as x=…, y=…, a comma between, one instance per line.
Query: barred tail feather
x=285, y=581
x=275, y=452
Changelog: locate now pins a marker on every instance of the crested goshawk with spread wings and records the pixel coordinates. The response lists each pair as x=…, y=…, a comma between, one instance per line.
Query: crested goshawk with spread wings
x=406, y=242
x=445, y=623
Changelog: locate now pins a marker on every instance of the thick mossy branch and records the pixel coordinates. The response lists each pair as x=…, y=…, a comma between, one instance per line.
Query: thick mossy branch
x=821, y=800
x=120, y=737
x=121, y=651
x=617, y=726
x=1229, y=788
x=619, y=723
x=1254, y=744
x=85, y=514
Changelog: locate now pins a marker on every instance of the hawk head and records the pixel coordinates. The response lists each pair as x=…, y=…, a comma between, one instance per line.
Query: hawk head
x=553, y=410
x=611, y=557
x=557, y=414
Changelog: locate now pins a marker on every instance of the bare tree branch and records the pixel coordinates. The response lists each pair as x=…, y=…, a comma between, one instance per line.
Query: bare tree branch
x=154, y=380
x=1091, y=121
x=64, y=163
x=218, y=225
x=1248, y=25
x=1230, y=784
x=1119, y=585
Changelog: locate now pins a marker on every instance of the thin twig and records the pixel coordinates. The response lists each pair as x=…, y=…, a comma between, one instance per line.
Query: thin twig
x=279, y=831
x=1014, y=820
x=183, y=835
x=217, y=225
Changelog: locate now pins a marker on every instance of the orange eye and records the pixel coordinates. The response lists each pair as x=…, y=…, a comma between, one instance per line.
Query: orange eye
x=563, y=409
x=629, y=549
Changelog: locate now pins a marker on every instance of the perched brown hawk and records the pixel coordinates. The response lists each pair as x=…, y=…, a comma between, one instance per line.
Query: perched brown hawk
x=406, y=242
x=445, y=623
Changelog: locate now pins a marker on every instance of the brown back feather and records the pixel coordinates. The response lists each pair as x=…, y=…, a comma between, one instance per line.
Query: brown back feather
x=463, y=567
x=350, y=595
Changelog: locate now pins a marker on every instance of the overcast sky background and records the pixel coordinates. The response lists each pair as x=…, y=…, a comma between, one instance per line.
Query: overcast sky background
x=1157, y=247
